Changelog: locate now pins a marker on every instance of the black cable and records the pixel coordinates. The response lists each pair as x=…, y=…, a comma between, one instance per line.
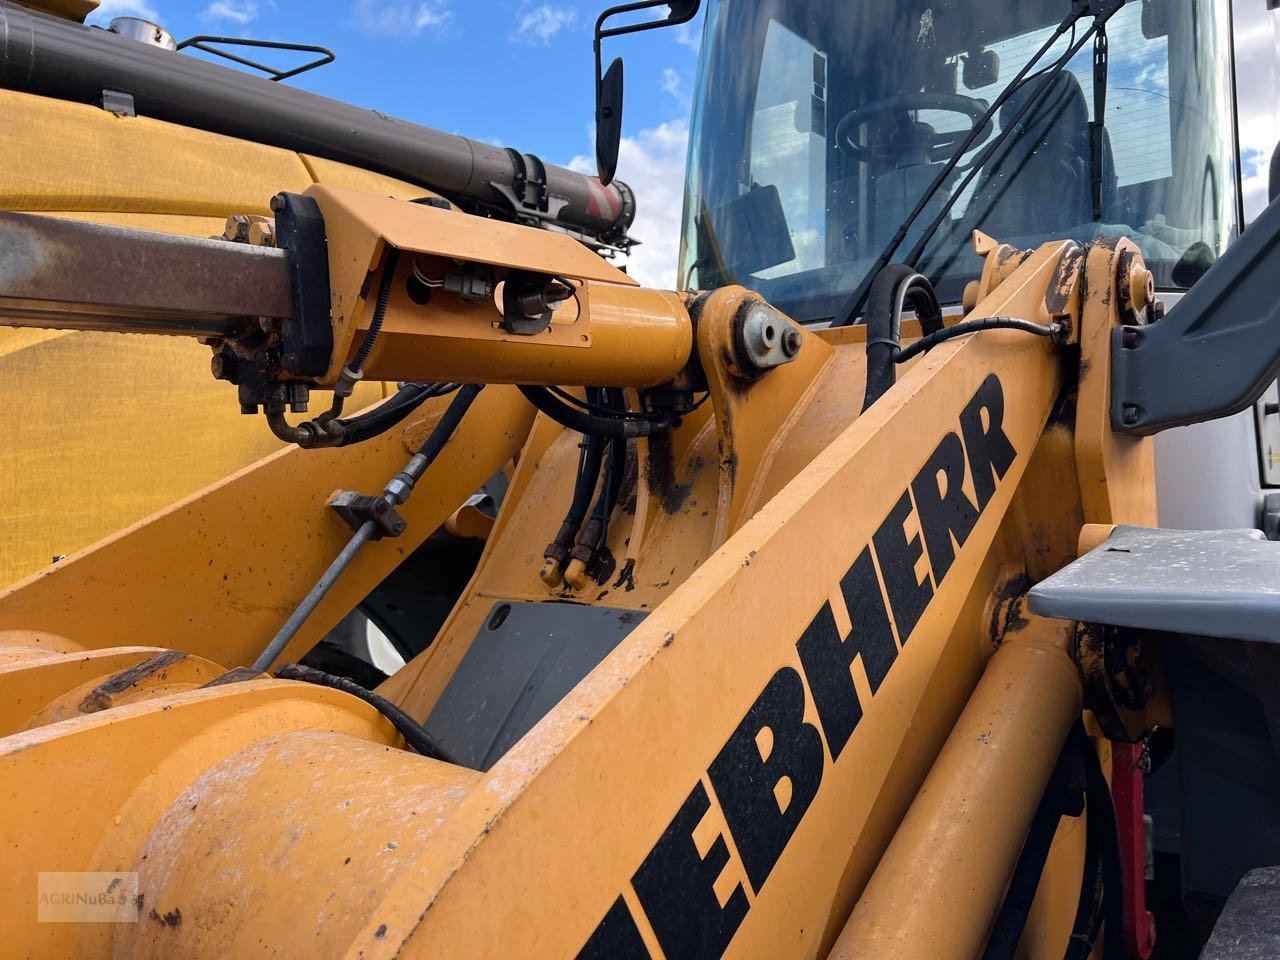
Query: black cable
x=1063, y=797
x=1102, y=818
x=589, y=460
x=379, y=311
x=588, y=423
x=397, y=491
x=854, y=304
x=414, y=735
x=1084, y=931
x=965, y=327
x=366, y=426
x=894, y=286
x=613, y=472
x=596, y=408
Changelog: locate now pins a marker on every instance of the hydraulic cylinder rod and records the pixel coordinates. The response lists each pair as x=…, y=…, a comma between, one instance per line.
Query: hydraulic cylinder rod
x=70, y=275
x=939, y=885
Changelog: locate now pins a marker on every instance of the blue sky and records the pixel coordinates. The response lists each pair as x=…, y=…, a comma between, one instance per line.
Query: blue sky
x=515, y=72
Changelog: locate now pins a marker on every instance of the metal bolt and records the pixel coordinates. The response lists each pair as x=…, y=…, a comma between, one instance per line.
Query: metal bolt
x=792, y=341
x=277, y=203
x=1129, y=338
x=1129, y=413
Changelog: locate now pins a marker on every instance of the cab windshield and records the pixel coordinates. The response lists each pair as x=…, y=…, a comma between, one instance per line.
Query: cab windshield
x=820, y=125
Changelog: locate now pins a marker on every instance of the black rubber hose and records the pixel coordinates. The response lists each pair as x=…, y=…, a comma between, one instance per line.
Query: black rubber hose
x=896, y=285
x=414, y=735
x=1102, y=818
x=965, y=327
x=379, y=310
x=587, y=423
x=1063, y=796
x=1088, y=907
x=398, y=490
x=588, y=476
x=382, y=418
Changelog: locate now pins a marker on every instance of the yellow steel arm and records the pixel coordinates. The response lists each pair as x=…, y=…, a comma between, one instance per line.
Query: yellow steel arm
x=812, y=593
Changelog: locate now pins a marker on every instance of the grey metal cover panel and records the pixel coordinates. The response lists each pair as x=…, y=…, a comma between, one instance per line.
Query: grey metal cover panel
x=1215, y=583
x=524, y=660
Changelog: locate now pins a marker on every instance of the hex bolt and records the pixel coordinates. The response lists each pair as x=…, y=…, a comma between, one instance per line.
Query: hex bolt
x=1130, y=338
x=277, y=203
x=1129, y=414
x=792, y=341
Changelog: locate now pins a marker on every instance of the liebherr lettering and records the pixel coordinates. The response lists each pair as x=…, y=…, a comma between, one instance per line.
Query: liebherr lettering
x=675, y=883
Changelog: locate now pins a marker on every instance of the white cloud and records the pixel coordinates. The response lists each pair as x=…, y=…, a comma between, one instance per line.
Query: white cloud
x=539, y=24
x=109, y=9
x=396, y=18
x=237, y=11
x=652, y=164
x=674, y=84
x=690, y=35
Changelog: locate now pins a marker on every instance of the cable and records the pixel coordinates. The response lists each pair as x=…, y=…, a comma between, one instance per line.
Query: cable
x=557, y=552
x=414, y=734
x=362, y=427
x=964, y=327
x=588, y=423
x=397, y=491
x=568, y=397
x=380, y=419
x=894, y=286
x=379, y=311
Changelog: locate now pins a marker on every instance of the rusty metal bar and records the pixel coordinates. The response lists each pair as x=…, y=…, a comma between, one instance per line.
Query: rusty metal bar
x=68, y=275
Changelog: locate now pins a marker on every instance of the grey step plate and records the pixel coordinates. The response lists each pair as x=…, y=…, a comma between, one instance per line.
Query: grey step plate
x=1215, y=583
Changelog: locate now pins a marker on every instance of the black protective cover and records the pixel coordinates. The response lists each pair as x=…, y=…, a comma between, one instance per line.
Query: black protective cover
x=523, y=662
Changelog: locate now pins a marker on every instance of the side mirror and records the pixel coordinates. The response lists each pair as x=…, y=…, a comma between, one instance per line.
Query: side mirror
x=609, y=86
x=609, y=122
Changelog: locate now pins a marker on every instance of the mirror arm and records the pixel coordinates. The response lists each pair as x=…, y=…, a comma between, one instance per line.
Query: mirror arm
x=609, y=135
x=1215, y=352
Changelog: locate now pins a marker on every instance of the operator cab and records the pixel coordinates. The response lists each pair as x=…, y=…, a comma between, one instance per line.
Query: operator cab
x=819, y=127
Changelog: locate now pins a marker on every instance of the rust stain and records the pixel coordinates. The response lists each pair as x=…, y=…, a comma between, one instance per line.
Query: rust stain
x=101, y=697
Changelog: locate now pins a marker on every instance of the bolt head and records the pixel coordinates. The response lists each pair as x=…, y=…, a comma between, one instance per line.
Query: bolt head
x=277, y=203
x=792, y=341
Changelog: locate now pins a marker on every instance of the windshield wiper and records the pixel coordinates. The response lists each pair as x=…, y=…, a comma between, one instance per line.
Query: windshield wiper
x=1098, y=129
x=1102, y=10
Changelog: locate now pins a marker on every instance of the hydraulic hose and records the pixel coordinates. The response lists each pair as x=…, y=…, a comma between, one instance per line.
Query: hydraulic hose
x=397, y=491
x=895, y=285
x=379, y=310
x=588, y=423
x=414, y=735
x=965, y=327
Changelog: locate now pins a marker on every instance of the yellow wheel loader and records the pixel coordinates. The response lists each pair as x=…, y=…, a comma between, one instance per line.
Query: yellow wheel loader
x=826, y=611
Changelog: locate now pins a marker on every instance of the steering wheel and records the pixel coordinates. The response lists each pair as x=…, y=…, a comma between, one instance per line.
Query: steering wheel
x=941, y=144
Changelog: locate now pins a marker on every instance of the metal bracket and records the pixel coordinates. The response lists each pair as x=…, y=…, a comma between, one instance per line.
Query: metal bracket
x=120, y=104
x=356, y=509
x=308, y=335
x=205, y=45
x=1216, y=350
